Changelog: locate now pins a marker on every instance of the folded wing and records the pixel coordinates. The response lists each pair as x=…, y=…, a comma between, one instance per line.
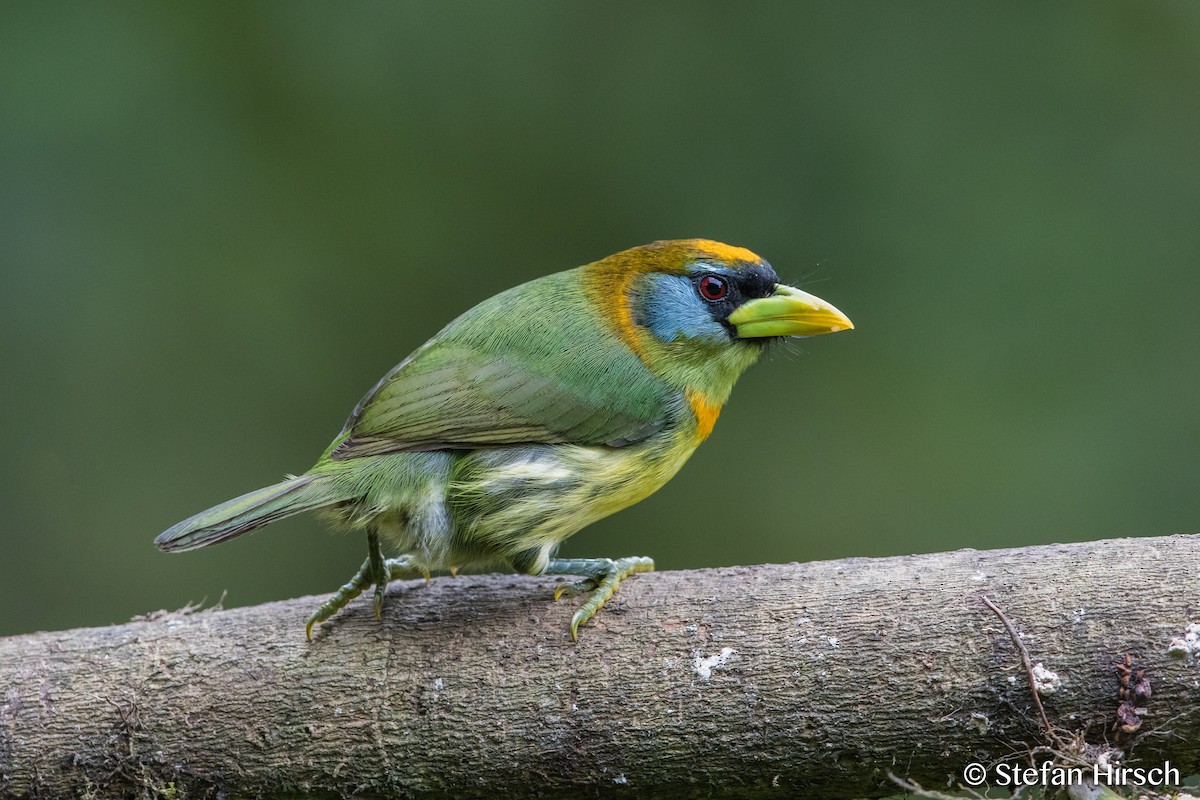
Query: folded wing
x=532, y=365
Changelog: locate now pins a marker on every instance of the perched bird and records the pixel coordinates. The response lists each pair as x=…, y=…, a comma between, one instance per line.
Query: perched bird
x=534, y=414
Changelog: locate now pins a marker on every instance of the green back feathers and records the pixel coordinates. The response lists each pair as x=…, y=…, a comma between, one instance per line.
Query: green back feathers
x=538, y=363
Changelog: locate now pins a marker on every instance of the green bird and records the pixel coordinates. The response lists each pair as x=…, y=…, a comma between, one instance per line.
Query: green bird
x=534, y=414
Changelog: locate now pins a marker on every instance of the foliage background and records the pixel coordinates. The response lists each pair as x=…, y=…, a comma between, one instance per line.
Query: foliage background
x=221, y=223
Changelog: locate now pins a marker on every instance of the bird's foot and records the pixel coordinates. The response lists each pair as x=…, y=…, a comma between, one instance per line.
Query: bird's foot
x=599, y=574
x=375, y=570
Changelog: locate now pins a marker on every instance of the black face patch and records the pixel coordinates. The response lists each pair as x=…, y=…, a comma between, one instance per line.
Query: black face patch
x=746, y=282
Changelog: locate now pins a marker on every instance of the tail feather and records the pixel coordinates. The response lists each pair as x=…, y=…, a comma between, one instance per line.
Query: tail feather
x=246, y=513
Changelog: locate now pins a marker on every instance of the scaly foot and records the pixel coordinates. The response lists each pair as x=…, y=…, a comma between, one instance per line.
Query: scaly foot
x=375, y=570
x=601, y=574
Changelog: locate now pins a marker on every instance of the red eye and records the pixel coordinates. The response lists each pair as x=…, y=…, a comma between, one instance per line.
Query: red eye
x=713, y=288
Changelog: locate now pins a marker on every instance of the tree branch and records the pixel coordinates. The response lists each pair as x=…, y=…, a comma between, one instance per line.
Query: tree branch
x=810, y=680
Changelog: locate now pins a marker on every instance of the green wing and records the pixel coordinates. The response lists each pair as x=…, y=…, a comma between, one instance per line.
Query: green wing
x=532, y=365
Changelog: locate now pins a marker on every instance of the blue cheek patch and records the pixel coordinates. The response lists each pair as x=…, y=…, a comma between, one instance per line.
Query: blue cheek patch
x=668, y=306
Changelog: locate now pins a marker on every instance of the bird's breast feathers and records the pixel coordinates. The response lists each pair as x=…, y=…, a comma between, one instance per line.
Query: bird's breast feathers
x=518, y=499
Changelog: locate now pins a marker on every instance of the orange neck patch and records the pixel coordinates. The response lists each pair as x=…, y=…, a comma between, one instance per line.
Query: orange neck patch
x=706, y=413
x=622, y=313
x=609, y=283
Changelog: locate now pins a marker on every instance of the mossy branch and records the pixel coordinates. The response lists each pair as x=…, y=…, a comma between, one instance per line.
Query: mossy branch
x=798, y=680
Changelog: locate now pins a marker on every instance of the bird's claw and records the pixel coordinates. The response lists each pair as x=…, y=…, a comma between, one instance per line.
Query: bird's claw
x=352, y=589
x=380, y=591
x=601, y=574
x=573, y=589
x=377, y=571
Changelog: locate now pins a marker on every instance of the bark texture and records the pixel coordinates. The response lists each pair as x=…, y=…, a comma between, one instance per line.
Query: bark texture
x=797, y=680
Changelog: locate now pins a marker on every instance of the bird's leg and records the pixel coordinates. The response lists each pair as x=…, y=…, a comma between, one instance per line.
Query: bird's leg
x=601, y=574
x=378, y=571
x=375, y=570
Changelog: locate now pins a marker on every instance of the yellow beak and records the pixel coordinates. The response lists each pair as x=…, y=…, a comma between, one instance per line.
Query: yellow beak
x=788, y=312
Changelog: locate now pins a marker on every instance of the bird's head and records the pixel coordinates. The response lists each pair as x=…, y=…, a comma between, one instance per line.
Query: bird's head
x=699, y=312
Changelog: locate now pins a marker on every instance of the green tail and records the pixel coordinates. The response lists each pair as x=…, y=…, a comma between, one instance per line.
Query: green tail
x=248, y=512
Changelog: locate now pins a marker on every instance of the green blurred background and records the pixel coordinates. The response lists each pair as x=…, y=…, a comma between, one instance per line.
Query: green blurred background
x=220, y=224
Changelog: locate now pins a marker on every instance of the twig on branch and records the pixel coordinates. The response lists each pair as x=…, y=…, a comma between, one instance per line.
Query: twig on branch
x=1025, y=660
x=798, y=680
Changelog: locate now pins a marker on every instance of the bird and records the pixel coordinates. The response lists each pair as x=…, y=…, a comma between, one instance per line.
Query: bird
x=534, y=414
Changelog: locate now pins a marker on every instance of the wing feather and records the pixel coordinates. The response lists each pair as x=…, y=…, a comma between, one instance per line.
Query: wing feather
x=566, y=380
